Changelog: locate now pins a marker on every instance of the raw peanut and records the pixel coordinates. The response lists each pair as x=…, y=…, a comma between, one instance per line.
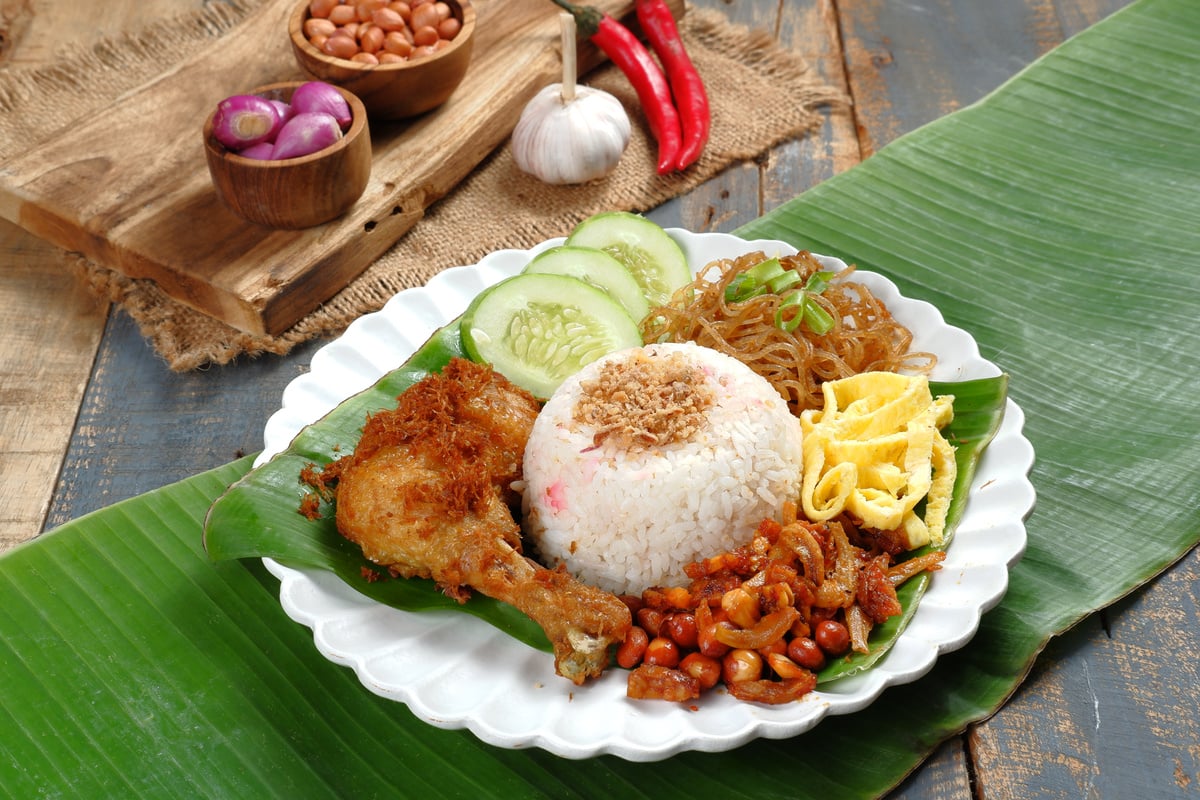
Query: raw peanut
x=340, y=46
x=425, y=37
x=401, y=8
x=396, y=44
x=342, y=15
x=388, y=20
x=321, y=8
x=377, y=28
x=371, y=40
x=425, y=16
x=318, y=26
x=363, y=9
x=449, y=28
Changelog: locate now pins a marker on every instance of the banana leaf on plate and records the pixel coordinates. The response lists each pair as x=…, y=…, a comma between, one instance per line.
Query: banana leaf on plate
x=1055, y=220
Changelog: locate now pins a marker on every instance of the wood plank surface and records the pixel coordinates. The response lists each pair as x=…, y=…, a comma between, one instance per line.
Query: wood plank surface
x=1109, y=709
x=44, y=367
x=50, y=325
x=154, y=213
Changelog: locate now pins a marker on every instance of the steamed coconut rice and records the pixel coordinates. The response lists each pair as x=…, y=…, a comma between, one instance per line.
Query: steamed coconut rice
x=651, y=458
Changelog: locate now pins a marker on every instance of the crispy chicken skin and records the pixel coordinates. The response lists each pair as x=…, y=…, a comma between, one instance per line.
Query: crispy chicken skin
x=428, y=494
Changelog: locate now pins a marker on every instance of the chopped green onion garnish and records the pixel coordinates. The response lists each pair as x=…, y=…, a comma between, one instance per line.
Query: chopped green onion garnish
x=742, y=288
x=809, y=311
x=785, y=281
x=763, y=271
x=765, y=276
x=818, y=319
x=790, y=325
x=818, y=282
x=770, y=276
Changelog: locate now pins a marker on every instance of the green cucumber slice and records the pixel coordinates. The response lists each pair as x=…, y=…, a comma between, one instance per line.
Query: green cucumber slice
x=654, y=259
x=597, y=268
x=538, y=329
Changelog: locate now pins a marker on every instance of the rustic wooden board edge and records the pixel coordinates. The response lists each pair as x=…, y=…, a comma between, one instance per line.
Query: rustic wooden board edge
x=254, y=279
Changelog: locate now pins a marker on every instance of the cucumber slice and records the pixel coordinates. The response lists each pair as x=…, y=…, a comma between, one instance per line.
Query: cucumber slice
x=597, y=268
x=654, y=259
x=538, y=329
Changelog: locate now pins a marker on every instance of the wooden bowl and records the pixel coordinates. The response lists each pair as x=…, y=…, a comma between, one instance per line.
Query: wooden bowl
x=299, y=192
x=392, y=91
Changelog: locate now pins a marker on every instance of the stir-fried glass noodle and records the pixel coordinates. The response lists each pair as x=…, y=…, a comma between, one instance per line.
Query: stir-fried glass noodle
x=864, y=336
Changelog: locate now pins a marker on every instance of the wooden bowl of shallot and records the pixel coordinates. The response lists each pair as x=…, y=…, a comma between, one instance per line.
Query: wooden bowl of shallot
x=310, y=168
x=401, y=58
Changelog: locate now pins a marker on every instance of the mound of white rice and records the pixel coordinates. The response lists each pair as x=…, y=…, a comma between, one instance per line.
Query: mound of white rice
x=627, y=511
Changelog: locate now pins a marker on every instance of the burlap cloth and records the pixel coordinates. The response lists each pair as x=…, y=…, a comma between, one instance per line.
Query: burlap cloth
x=760, y=94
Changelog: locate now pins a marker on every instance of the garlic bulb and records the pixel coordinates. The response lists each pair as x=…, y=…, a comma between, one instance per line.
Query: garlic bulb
x=563, y=141
x=569, y=133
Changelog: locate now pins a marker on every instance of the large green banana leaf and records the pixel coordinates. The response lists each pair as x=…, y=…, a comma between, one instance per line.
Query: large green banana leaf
x=1055, y=221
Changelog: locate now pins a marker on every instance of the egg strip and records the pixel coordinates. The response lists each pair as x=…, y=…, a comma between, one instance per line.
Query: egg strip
x=876, y=451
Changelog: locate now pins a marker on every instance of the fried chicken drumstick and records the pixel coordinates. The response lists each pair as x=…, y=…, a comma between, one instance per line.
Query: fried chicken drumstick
x=428, y=494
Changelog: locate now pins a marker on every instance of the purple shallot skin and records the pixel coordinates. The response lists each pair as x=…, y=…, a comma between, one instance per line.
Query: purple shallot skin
x=261, y=151
x=305, y=133
x=244, y=120
x=319, y=96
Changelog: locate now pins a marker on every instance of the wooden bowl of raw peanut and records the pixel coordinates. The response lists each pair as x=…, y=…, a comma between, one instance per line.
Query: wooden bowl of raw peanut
x=400, y=58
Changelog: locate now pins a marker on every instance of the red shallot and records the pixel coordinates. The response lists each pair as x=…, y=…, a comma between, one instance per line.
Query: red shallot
x=306, y=133
x=267, y=128
x=286, y=112
x=318, y=96
x=244, y=120
x=261, y=151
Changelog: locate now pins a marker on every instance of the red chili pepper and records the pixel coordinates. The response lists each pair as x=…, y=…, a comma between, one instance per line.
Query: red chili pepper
x=691, y=100
x=643, y=72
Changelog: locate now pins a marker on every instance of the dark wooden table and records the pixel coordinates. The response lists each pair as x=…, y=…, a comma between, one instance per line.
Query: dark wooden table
x=90, y=415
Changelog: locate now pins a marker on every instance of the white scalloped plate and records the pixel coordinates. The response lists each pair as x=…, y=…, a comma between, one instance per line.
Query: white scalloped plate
x=454, y=671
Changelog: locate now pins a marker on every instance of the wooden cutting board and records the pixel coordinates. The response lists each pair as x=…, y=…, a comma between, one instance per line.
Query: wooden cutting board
x=129, y=188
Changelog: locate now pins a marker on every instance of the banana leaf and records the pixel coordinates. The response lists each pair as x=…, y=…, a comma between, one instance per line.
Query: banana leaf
x=1054, y=220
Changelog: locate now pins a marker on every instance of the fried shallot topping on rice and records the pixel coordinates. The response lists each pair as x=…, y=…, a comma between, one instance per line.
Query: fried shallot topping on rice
x=649, y=400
